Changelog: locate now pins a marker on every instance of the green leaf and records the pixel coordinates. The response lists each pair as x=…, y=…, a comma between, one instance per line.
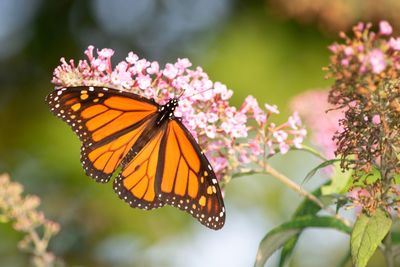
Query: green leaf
x=307, y=207
x=288, y=248
x=310, y=150
x=367, y=234
x=320, y=166
x=397, y=179
x=339, y=180
x=278, y=236
x=367, y=178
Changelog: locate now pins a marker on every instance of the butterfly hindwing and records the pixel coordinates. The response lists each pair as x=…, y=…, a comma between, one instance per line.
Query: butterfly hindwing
x=185, y=178
x=107, y=121
x=136, y=182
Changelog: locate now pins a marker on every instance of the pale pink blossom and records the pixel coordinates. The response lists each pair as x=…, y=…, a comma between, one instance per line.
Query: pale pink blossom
x=255, y=147
x=154, y=68
x=280, y=136
x=183, y=63
x=376, y=119
x=348, y=51
x=105, y=53
x=144, y=81
x=170, y=71
x=294, y=121
x=131, y=58
x=345, y=62
x=377, y=60
x=394, y=43
x=283, y=148
x=385, y=28
x=271, y=108
x=244, y=157
x=211, y=131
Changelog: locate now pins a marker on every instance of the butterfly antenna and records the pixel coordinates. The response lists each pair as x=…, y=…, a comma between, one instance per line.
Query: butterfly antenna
x=197, y=93
x=181, y=94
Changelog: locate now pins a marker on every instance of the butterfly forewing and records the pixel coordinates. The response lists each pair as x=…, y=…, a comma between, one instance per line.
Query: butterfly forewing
x=186, y=180
x=107, y=121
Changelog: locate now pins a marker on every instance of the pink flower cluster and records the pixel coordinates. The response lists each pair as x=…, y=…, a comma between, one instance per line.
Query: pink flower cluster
x=21, y=211
x=370, y=199
x=369, y=51
x=230, y=136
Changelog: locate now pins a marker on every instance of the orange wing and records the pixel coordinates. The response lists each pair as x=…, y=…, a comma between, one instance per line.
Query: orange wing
x=135, y=183
x=107, y=121
x=185, y=178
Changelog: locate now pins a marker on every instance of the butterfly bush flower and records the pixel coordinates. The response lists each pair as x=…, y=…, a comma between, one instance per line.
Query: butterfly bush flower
x=22, y=212
x=232, y=137
x=367, y=89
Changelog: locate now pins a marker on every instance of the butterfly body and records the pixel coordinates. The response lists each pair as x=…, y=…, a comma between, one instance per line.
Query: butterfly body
x=161, y=163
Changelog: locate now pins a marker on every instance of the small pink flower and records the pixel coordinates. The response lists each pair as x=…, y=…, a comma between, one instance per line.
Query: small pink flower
x=105, y=53
x=283, y=148
x=280, y=136
x=344, y=62
x=385, y=28
x=140, y=66
x=89, y=52
x=360, y=26
x=394, y=43
x=298, y=141
x=183, y=63
x=144, y=81
x=222, y=90
x=377, y=60
x=170, y=71
x=131, y=58
x=376, y=119
x=255, y=147
x=333, y=48
x=348, y=51
x=154, y=68
x=243, y=156
x=219, y=163
x=272, y=108
x=211, y=131
x=212, y=117
x=294, y=121
x=302, y=133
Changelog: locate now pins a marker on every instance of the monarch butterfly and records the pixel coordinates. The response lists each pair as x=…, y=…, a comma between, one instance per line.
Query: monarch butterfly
x=160, y=161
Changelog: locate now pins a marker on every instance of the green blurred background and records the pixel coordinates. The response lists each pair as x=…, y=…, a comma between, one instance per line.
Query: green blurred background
x=247, y=45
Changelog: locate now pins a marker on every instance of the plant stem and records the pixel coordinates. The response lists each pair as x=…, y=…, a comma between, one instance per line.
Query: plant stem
x=389, y=256
x=294, y=186
x=269, y=170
